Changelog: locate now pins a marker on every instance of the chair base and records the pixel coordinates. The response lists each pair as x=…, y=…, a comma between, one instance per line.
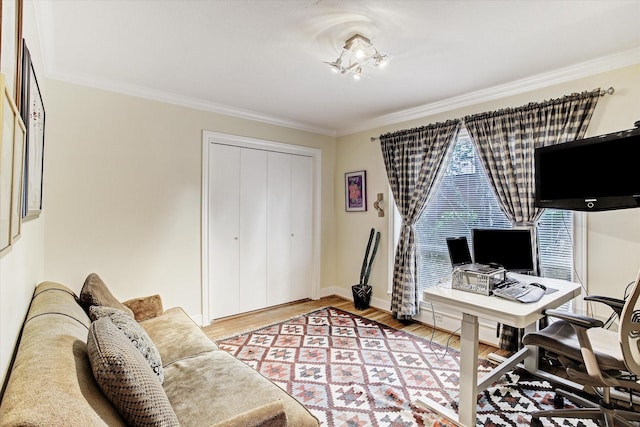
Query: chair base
x=607, y=415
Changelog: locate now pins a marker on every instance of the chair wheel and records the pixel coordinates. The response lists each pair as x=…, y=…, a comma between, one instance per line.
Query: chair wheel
x=535, y=422
x=558, y=401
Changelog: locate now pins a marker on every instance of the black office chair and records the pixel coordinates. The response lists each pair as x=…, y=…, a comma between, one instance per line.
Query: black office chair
x=597, y=357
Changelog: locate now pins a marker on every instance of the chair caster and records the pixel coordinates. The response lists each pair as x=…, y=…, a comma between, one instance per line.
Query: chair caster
x=558, y=401
x=535, y=422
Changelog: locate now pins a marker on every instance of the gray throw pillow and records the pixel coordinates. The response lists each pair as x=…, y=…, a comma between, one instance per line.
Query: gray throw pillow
x=95, y=292
x=126, y=378
x=135, y=333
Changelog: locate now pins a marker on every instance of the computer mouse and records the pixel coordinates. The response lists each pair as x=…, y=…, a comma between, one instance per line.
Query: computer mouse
x=541, y=286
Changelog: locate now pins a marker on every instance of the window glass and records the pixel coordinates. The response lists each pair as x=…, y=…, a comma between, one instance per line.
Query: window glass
x=464, y=200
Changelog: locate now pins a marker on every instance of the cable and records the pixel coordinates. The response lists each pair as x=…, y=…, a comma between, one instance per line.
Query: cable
x=433, y=333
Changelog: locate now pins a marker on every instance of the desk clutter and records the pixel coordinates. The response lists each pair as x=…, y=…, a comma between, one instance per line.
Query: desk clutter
x=492, y=280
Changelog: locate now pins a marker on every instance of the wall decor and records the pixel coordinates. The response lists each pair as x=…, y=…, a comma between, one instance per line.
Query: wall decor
x=12, y=137
x=33, y=115
x=10, y=43
x=17, y=192
x=356, y=191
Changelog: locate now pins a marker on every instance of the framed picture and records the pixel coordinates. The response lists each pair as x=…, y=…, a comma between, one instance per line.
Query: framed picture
x=355, y=191
x=12, y=137
x=10, y=43
x=19, y=146
x=33, y=116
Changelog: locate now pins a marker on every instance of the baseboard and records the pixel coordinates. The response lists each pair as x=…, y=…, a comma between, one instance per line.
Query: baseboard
x=445, y=320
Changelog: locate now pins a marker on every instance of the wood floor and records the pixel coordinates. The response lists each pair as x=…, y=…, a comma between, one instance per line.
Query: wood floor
x=253, y=320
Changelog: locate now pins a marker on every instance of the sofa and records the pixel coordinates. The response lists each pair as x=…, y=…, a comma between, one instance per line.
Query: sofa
x=72, y=371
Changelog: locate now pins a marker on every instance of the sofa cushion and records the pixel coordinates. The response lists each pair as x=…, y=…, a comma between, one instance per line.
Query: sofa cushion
x=95, y=292
x=219, y=387
x=134, y=332
x=125, y=377
x=177, y=336
x=51, y=380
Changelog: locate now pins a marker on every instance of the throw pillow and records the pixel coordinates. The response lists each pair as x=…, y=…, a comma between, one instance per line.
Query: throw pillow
x=125, y=378
x=95, y=292
x=134, y=332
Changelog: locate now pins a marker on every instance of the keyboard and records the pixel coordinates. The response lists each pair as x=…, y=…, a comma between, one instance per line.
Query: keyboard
x=518, y=291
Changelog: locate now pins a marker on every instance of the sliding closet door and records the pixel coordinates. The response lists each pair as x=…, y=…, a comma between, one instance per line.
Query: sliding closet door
x=279, y=229
x=224, y=230
x=253, y=229
x=260, y=250
x=301, y=227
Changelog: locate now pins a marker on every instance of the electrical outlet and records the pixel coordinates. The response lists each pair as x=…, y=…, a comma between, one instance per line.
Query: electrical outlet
x=439, y=317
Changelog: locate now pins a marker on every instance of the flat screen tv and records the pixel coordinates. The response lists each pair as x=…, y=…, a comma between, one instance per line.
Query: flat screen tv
x=592, y=174
x=509, y=248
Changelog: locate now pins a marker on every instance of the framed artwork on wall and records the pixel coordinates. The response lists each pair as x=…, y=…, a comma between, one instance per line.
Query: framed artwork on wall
x=10, y=43
x=355, y=191
x=19, y=146
x=12, y=138
x=33, y=115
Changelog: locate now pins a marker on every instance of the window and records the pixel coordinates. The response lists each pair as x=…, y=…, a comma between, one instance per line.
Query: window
x=464, y=200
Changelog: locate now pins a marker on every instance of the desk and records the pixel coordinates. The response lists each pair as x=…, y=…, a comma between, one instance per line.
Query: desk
x=504, y=311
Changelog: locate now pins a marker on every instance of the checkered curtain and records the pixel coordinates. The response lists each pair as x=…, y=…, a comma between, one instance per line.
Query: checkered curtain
x=412, y=159
x=506, y=140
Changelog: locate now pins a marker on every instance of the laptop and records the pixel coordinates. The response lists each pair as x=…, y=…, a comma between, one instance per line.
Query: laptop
x=459, y=253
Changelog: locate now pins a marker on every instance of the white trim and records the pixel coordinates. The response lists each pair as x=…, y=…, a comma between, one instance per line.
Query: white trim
x=580, y=249
x=562, y=75
x=208, y=138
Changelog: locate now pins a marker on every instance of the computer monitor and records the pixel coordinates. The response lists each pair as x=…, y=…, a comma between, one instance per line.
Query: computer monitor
x=509, y=248
x=458, y=251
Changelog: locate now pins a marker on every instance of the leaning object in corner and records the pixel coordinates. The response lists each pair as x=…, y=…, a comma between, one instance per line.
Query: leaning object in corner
x=362, y=291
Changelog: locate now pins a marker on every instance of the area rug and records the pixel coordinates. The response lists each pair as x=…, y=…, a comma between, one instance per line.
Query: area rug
x=352, y=371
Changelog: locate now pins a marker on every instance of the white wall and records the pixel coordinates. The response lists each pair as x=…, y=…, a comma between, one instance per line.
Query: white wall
x=22, y=267
x=123, y=184
x=613, y=251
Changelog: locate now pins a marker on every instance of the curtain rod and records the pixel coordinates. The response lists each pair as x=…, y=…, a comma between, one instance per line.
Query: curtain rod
x=603, y=92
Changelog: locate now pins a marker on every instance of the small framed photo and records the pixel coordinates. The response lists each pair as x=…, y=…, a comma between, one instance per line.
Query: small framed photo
x=355, y=191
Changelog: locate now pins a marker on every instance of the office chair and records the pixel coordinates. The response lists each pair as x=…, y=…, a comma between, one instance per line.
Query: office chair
x=597, y=357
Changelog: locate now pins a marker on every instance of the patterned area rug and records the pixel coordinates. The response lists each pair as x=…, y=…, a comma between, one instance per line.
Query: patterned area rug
x=351, y=371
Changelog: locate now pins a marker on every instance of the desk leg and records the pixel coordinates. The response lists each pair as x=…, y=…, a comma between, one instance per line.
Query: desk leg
x=531, y=360
x=468, y=370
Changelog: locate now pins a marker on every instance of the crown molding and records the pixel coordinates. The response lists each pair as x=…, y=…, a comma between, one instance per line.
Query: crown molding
x=562, y=75
x=184, y=101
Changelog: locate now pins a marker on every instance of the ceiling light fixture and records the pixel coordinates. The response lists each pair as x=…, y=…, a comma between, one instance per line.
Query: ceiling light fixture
x=357, y=52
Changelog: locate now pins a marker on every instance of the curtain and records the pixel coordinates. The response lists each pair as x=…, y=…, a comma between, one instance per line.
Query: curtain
x=412, y=159
x=506, y=141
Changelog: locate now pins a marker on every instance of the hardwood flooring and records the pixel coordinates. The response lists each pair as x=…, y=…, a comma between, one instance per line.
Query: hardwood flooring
x=253, y=320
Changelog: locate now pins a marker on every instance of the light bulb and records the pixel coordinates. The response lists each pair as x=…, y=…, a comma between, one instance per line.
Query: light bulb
x=359, y=54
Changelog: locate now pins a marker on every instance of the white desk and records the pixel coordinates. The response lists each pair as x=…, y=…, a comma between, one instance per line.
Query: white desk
x=511, y=313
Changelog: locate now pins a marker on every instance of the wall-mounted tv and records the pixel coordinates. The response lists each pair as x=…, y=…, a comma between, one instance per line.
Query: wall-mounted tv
x=591, y=174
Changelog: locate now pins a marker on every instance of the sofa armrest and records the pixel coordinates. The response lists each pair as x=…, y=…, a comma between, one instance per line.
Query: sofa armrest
x=269, y=415
x=145, y=307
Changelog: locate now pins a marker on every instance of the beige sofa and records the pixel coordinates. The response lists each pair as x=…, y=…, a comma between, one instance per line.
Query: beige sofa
x=51, y=381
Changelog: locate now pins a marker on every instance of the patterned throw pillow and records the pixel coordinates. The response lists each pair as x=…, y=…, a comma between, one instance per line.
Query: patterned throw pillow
x=95, y=292
x=135, y=333
x=125, y=378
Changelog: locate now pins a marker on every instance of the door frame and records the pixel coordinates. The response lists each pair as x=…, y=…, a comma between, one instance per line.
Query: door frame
x=210, y=137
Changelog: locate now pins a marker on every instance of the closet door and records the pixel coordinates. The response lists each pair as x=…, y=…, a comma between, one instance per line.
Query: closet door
x=301, y=227
x=253, y=229
x=224, y=230
x=278, y=228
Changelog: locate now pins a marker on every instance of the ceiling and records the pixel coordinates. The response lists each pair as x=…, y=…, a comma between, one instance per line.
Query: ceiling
x=263, y=60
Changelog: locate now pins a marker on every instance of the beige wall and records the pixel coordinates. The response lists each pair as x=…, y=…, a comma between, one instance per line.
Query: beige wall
x=613, y=246
x=123, y=192
x=22, y=267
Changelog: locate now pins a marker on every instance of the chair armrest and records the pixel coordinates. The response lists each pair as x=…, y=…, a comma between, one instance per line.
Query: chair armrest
x=616, y=304
x=146, y=307
x=575, y=319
